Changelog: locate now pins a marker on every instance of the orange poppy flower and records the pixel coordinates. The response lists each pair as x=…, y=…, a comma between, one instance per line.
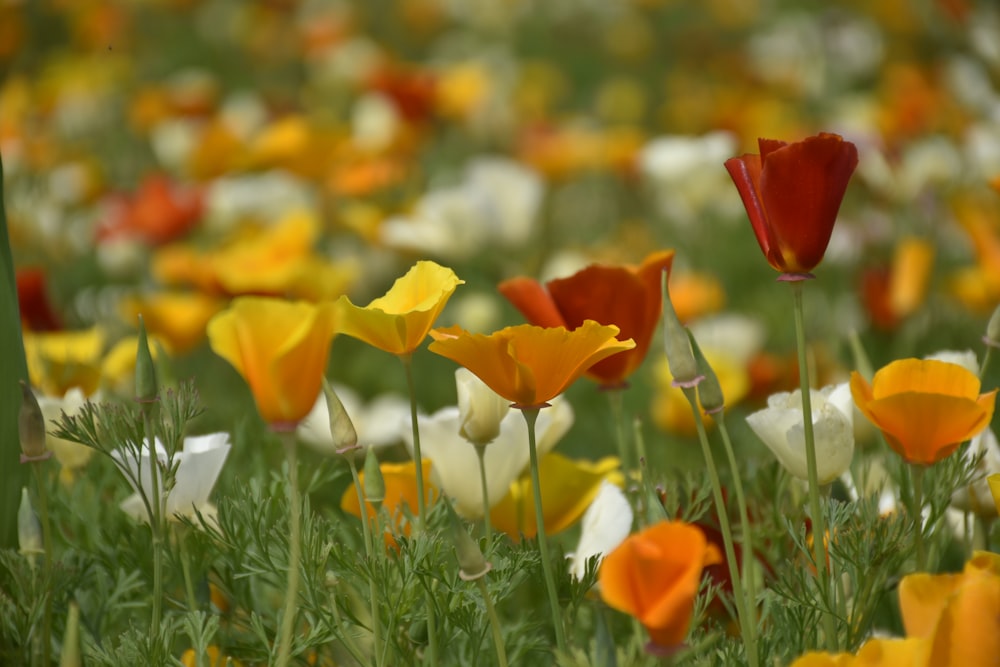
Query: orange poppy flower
x=924, y=408
x=529, y=365
x=959, y=614
x=792, y=193
x=654, y=575
x=158, y=212
x=890, y=294
x=280, y=348
x=625, y=296
x=399, y=321
x=178, y=317
x=400, y=489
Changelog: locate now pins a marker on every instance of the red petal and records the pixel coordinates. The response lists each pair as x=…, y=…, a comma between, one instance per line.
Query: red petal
x=533, y=301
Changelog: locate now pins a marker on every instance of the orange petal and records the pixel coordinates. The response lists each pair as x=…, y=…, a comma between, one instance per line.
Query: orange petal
x=531, y=299
x=925, y=428
x=922, y=598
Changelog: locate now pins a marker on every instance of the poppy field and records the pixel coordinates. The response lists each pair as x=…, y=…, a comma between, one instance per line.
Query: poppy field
x=499, y=332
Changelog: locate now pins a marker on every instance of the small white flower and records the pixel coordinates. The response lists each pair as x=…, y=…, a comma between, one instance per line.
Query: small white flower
x=606, y=524
x=780, y=426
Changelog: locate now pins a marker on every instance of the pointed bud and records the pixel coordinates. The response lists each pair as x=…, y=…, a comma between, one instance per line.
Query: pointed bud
x=709, y=390
x=71, y=639
x=992, y=337
x=345, y=437
x=680, y=359
x=29, y=531
x=374, y=483
x=471, y=563
x=31, y=427
x=146, y=389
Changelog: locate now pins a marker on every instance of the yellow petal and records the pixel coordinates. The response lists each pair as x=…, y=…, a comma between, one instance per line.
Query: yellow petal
x=922, y=598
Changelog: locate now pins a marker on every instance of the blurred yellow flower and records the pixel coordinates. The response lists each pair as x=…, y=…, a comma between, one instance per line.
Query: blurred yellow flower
x=568, y=488
x=59, y=361
x=280, y=348
x=399, y=321
x=400, y=494
x=118, y=365
x=874, y=653
x=670, y=409
x=179, y=318
x=924, y=408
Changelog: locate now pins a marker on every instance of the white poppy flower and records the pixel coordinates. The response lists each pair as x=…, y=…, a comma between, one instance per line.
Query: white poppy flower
x=71, y=455
x=455, y=463
x=964, y=358
x=605, y=525
x=480, y=409
x=198, y=467
x=780, y=426
x=377, y=422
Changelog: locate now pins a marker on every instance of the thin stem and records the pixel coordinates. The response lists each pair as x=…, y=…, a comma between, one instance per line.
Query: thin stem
x=156, y=519
x=192, y=600
x=616, y=400
x=917, y=476
x=494, y=623
x=374, y=551
x=294, y=549
x=407, y=359
x=653, y=508
x=348, y=639
x=987, y=357
x=487, y=524
x=749, y=574
x=43, y=512
x=739, y=593
x=361, y=503
x=815, y=509
x=530, y=417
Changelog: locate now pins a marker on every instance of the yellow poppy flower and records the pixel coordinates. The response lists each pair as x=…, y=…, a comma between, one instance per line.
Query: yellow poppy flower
x=399, y=321
x=568, y=488
x=924, y=408
x=874, y=653
x=400, y=489
x=61, y=360
x=280, y=348
x=118, y=365
x=654, y=575
x=179, y=318
x=530, y=365
x=959, y=614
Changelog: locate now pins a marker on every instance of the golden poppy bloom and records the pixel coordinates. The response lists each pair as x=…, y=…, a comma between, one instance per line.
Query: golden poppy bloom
x=924, y=408
x=874, y=653
x=625, y=296
x=179, y=318
x=959, y=614
x=568, y=488
x=529, y=365
x=61, y=360
x=654, y=575
x=280, y=348
x=400, y=489
x=399, y=321
x=792, y=194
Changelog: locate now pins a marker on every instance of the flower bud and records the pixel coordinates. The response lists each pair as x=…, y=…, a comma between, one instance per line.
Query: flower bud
x=345, y=437
x=71, y=639
x=374, y=483
x=683, y=366
x=471, y=563
x=31, y=427
x=709, y=390
x=29, y=531
x=146, y=389
x=480, y=409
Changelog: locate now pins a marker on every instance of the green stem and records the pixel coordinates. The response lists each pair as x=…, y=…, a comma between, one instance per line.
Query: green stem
x=156, y=520
x=407, y=359
x=749, y=573
x=192, y=600
x=917, y=476
x=530, y=417
x=739, y=592
x=361, y=503
x=654, y=510
x=43, y=512
x=494, y=623
x=616, y=399
x=487, y=524
x=348, y=639
x=987, y=357
x=294, y=549
x=815, y=509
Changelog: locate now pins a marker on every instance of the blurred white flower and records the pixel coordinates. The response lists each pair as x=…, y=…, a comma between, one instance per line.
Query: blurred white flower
x=375, y=122
x=497, y=202
x=738, y=337
x=198, y=466
x=977, y=497
x=71, y=455
x=606, y=524
x=262, y=197
x=480, y=409
x=780, y=426
x=378, y=423
x=455, y=463
x=964, y=358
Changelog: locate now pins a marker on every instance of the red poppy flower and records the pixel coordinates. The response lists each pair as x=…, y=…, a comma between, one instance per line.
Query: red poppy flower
x=33, y=300
x=158, y=212
x=792, y=193
x=625, y=296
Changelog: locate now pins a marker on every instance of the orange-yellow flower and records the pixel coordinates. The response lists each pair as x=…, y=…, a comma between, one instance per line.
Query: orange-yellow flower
x=875, y=653
x=654, y=575
x=399, y=321
x=280, y=348
x=625, y=296
x=924, y=408
x=529, y=365
x=61, y=360
x=400, y=489
x=958, y=613
x=179, y=318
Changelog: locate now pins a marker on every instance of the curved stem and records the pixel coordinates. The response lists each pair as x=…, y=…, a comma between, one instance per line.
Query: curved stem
x=494, y=623
x=815, y=509
x=739, y=593
x=294, y=549
x=530, y=417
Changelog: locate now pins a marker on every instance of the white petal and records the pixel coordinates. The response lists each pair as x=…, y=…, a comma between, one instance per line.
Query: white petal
x=605, y=525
